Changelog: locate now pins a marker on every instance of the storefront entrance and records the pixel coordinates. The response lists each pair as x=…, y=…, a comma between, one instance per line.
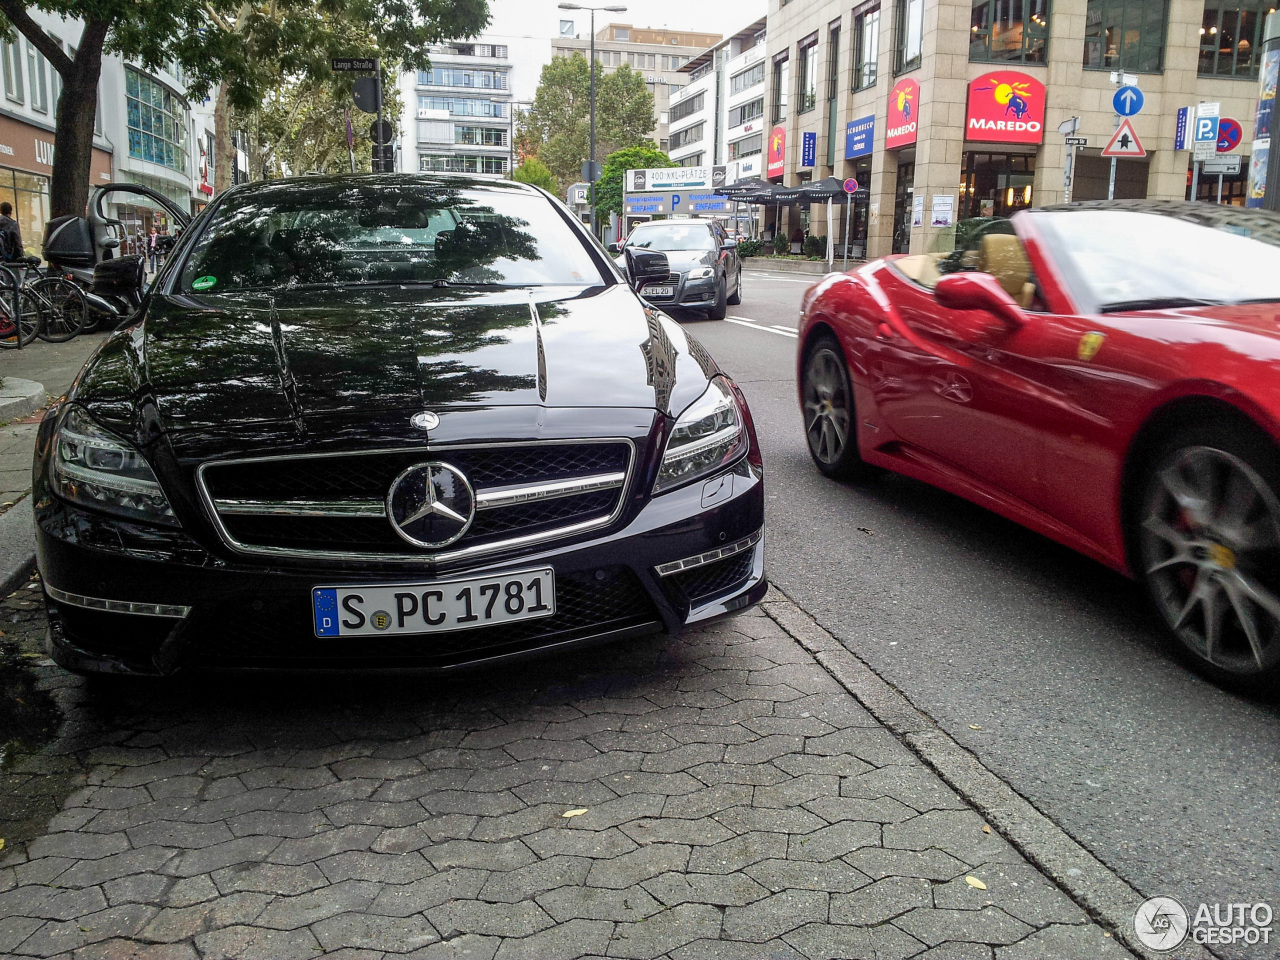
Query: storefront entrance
x=903, y=196
x=996, y=184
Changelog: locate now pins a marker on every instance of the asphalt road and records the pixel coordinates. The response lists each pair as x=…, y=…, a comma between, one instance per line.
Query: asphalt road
x=1168, y=780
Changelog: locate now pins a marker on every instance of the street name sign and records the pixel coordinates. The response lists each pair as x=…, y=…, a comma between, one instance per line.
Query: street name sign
x=354, y=64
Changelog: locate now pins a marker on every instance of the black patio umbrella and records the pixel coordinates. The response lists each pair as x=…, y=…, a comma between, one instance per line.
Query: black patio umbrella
x=752, y=185
x=828, y=190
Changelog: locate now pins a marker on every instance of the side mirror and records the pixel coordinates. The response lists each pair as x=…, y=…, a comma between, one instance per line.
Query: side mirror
x=729, y=245
x=118, y=277
x=615, y=247
x=978, y=291
x=646, y=266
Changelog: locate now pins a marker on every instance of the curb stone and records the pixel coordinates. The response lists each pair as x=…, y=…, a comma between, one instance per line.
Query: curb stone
x=17, y=546
x=20, y=397
x=1108, y=898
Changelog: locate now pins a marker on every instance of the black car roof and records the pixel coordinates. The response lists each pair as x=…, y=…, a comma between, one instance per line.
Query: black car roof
x=452, y=181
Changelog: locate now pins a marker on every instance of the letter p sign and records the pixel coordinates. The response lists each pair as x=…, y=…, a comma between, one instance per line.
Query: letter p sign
x=1206, y=129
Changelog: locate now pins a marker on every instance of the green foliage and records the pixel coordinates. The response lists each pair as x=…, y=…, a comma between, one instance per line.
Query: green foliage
x=815, y=246
x=557, y=127
x=750, y=248
x=609, y=188
x=535, y=172
x=781, y=244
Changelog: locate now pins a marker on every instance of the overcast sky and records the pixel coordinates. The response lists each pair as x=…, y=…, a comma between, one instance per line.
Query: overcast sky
x=541, y=18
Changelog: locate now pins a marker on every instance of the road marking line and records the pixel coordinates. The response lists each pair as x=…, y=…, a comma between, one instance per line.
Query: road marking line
x=748, y=319
x=786, y=329
x=750, y=325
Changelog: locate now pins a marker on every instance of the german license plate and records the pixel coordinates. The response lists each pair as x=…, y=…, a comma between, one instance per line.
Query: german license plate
x=436, y=607
x=659, y=291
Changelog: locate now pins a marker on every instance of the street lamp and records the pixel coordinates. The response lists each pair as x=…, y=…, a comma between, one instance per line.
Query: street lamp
x=591, y=150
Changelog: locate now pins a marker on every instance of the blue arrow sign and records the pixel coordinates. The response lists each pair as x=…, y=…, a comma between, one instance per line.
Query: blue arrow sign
x=1128, y=101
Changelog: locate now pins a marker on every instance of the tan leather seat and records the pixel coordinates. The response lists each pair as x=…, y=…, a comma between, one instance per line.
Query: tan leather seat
x=1002, y=256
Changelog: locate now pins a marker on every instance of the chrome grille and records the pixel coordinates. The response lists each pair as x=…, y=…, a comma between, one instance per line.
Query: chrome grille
x=333, y=506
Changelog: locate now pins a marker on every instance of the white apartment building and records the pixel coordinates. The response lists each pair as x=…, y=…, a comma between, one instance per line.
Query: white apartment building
x=718, y=117
x=458, y=113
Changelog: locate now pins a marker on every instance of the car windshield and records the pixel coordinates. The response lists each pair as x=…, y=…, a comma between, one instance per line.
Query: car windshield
x=349, y=233
x=1168, y=256
x=670, y=237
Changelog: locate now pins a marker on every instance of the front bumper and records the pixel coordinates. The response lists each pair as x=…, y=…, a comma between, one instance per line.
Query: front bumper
x=127, y=598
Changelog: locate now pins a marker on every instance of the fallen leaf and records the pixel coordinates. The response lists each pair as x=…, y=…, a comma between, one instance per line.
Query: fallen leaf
x=974, y=726
x=574, y=813
x=975, y=882
x=868, y=531
x=985, y=828
x=1, y=843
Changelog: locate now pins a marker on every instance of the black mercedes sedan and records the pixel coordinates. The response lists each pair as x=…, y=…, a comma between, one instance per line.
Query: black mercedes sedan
x=391, y=420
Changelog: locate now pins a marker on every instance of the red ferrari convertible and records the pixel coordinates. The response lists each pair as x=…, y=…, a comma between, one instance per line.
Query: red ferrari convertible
x=1105, y=374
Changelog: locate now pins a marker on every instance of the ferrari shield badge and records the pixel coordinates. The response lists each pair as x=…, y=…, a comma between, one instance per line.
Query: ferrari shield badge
x=1089, y=346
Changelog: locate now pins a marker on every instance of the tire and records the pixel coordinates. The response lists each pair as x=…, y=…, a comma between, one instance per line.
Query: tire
x=1205, y=540
x=737, y=291
x=28, y=326
x=719, y=311
x=67, y=310
x=829, y=415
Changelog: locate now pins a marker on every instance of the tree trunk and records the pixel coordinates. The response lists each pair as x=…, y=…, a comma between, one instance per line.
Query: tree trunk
x=224, y=151
x=77, y=111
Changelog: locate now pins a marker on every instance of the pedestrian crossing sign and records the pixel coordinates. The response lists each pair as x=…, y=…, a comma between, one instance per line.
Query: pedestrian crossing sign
x=1124, y=142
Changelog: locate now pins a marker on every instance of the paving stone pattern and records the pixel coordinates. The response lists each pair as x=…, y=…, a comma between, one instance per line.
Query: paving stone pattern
x=731, y=801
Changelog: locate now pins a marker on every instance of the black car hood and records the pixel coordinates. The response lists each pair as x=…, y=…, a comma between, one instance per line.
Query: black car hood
x=212, y=362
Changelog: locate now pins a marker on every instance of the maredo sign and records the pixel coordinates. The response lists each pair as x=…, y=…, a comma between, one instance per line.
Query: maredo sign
x=776, y=159
x=1005, y=107
x=904, y=108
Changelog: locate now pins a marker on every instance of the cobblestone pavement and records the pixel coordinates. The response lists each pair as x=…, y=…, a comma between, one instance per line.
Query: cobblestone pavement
x=715, y=796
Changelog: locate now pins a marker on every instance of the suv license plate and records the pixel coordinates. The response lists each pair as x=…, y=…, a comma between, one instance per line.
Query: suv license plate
x=438, y=607
x=659, y=291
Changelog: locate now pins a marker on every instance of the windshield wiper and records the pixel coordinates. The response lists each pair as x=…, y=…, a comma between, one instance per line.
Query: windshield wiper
x=1158, y=303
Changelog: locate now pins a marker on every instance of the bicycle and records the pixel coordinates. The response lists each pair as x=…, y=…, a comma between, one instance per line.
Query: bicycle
x=51, y=307
x=20, y=317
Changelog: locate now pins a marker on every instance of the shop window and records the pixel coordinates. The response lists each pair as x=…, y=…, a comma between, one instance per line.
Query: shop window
x=13, y=87
x=866, y=47
x=908, y=35
x=1125, y=35
x=807, y=77
x=781, y=80
x=996, y=184
x=1003, y=31
x=1231, y=38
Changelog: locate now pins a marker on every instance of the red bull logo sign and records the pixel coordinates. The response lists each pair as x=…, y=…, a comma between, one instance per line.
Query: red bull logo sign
x=904, y=107
x=1005, y=107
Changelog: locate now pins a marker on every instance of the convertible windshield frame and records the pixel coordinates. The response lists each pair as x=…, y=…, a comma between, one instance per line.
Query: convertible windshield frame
x=492, y=195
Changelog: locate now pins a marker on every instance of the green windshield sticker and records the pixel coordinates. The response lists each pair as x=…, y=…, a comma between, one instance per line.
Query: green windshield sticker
x=203, y=283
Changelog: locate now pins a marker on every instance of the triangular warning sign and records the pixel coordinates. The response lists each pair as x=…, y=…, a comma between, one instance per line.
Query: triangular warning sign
x=1124, y=142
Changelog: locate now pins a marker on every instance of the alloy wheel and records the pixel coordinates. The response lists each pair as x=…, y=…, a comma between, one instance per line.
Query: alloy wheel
x=826, y=406
x=1210, y=550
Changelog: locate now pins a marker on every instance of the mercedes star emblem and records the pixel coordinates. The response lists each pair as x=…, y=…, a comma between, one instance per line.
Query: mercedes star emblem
x=426, y=420
x=431, y=505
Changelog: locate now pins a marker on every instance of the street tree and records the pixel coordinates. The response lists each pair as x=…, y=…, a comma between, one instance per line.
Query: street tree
x=237, y=45
x=609, y=188
x=535, y=172
x=557, y=127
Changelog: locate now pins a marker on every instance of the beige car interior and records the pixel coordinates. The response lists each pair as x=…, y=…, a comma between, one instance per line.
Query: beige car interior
x=998, y=254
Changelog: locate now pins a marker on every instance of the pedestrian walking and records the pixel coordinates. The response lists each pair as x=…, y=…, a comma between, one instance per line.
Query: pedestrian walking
x=152, y=248
x=10, y=234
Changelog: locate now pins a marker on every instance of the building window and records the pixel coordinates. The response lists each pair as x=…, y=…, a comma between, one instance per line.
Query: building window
x=1230, y=37
x=622, y=33
x=13, y=71
x=443, y=163
x=996, y=184
x=694, y=160
x=1125, y=35
x=746, y=147
x=746, y=111
x=807, y=77
x=908, y=35
x=833, y=64
x=746, y=79
x=781, y=80
x=156, y=121
x=454, y=77
x=496, y=50
x=686, y=108
x=866, y=47
x=482, y=136
x=1009, y=30
x=461, y=107
x=682, y=138
x=39, y=80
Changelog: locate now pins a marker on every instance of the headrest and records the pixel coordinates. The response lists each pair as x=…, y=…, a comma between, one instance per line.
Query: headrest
x=1002, y=256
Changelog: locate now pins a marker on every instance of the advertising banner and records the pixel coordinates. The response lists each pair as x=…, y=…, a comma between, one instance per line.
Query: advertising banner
x=776, y=158
x=674, y=178
x=1005, y=107
x=904, y=104
x=859, y=137
x=808, y=150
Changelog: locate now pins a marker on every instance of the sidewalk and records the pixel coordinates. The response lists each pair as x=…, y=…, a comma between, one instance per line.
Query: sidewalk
x=717, y=796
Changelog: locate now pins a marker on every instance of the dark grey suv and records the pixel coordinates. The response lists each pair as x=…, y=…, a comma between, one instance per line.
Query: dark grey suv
x=705, y=271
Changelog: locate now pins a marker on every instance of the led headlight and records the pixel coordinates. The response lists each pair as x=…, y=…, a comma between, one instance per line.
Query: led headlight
x=701, y=273
x=101, y=471
x=708, y=436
